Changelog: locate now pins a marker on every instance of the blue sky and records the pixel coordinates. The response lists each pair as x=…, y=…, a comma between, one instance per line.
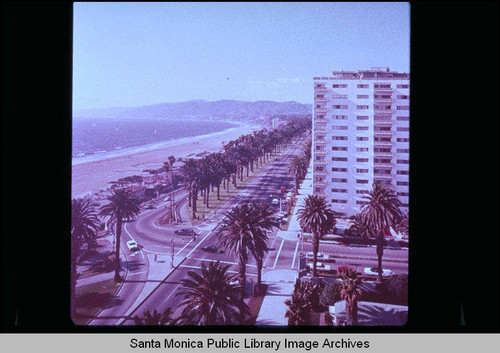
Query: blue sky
x=134, y=54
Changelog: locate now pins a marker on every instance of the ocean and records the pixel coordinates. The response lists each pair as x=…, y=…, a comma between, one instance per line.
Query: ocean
x=101, y=138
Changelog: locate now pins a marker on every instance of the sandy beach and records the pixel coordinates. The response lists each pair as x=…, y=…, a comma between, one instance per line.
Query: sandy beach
x=94, y=176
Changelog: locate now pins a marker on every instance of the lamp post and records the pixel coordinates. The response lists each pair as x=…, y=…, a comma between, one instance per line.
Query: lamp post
x=172, y=255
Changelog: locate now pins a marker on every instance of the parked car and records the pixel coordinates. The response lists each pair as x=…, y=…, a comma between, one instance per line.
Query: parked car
x=149, y=207
x=185, y=231
x=212, y=248
x=321, y=256
x=321, y=267
x=132, y=245
x=275, y=201
x=373, y=271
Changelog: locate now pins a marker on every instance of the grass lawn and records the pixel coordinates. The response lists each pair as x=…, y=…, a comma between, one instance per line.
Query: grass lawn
x=255, y=303
x=90, y=299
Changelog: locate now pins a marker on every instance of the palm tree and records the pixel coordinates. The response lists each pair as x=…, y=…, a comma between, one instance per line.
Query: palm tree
x=298, y=167
x=171, y=160
x=350, y=291
x=361, y=227
x=245, y=233
x=317, y=218
x=155, y=318
x=209, y=297
x=123, y=206
x=84, y=226
x=381, y=211
x=299, y=311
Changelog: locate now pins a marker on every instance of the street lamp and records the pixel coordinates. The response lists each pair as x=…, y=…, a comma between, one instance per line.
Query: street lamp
x=172, y=255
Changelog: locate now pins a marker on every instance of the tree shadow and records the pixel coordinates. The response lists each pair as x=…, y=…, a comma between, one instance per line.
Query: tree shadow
x=96, y=300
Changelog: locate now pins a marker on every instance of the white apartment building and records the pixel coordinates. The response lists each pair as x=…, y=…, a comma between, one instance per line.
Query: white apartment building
x=360, y=135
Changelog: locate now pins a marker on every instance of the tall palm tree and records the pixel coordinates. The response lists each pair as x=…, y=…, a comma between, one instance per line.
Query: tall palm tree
x=209, y=297
x=122, y=206
x=381, y=211
x=298, y=167
x=350, y=291
x=154, y=318
x=84, y=227
x=318, y=218
x=244, y=233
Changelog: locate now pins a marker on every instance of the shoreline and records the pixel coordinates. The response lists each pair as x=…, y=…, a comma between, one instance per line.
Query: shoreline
x=93, y=176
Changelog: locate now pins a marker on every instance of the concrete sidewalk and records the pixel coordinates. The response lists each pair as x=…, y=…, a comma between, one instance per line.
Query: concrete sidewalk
x=280, y=287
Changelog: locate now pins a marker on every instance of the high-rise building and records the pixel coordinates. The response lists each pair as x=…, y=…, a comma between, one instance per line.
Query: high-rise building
x=360, y=135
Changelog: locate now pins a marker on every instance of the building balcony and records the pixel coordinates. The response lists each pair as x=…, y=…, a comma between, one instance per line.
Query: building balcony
x=383, y=111
x=320, y=142
x=320, y=152
x=382, y=133
x=320, y=100
x=320, y=129
x=383, y=154
x=319, y=183
x=377, y=177
x=322, y=193
x=383, y=100
x=320, y=89
x=383, y=165
x=320, y=110
x=382, y=89
x=382, y=123
x=382, y=143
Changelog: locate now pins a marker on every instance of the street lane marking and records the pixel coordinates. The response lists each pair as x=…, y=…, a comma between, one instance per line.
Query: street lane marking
x=189, y=242
x=201, y=241
x=223, y=262
x=278, y=254
x=126, y=230
x=175, y=289
x=295, y=254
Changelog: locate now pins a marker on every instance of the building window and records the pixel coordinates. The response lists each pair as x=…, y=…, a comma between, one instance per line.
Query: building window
x=320, y=137
x=403, y=194
x=362, y=117
x=361, y=138
x=402, y=97
x=403, y=140
x=382, y=118
x=342, y=170
x=320, y=169
x=361, y=202
x=339, y=180
x=362, y=128
x=320, y=85
x=338, y=201
x=403, y=129
x=381, y=160
x=339, y=96
x=383, y=182
x=320, y=158
x=362, y=96
x=382, y=150
x=382, y=139
x=362, y=160
x=361, y=170
x=403, y=161
x=361, y=181
x=339, y=148
x=339, y=117
x=403, y=150
x=403, y=86
x=339, y=190
x=339, y=159
x=382, y=96
x=402, y=183
x=319, y=179
x=338, y=86
x=382, y=86
x=339, y=138
x=362, y=149
x=362, y=86
x=320, y=148
x=403, y=118
x=361, y=107
x=402, y=107
x=343, y=106
x=339, y=127
x=319, y=190
x=382, y=171
x=320, y=96
x=361, y=191
x=402, y=172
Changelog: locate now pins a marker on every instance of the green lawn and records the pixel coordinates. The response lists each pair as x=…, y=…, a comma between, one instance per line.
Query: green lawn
x=90, y=299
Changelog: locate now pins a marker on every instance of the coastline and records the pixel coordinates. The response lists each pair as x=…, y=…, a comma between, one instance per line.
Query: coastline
x=92, y=176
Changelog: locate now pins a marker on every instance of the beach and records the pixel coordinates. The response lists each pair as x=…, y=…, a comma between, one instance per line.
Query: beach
x=94, y=176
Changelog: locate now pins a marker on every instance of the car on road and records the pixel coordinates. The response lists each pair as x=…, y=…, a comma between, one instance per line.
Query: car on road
x=275, y=201
x=149, y=207
x=212, y=248
x=321, y=267
x=132, y=245
x=185, y=231
x=373, y=271
x=321, y=256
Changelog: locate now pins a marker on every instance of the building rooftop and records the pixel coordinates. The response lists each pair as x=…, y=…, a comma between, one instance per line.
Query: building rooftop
x=375, y=73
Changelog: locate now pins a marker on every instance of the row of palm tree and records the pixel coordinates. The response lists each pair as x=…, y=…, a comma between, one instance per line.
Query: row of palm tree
x=300, y=163
x=242, y=155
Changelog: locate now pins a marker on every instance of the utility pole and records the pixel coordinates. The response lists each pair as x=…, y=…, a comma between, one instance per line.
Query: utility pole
x=172, y=255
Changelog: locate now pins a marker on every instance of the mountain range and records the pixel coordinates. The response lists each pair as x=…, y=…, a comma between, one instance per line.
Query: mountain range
x=200, y=108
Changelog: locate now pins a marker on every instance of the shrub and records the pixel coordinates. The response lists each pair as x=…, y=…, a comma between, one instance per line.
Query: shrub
x=330, y=294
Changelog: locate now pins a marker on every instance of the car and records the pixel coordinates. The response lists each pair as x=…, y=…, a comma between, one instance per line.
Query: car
x=373, y=271
x=321, y=256
x=132, y=245
x=149, y=207
x=321, y=267
x=185, y=231
x=275, y=201
x=212, y=248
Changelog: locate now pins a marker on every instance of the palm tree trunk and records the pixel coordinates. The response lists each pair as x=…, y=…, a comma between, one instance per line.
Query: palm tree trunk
x=348, y=312
x=218, y=192
x=207, y=193
x=242, y=266
x=354, y=314
x=117, y=250
x=380, y=253
x=259, y=274
x=315, y=253
x=189, y=198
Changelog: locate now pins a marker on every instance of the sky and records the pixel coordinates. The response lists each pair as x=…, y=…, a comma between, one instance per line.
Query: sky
x=136, y=54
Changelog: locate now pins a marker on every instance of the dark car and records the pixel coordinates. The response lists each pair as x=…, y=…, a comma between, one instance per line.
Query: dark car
x=212, y=248
x=185, y=231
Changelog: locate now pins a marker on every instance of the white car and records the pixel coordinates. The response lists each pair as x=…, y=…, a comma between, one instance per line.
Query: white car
x=132, y=245
x=373, y=271
x=320, y=266
x=321, y=256
x=275, y=201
